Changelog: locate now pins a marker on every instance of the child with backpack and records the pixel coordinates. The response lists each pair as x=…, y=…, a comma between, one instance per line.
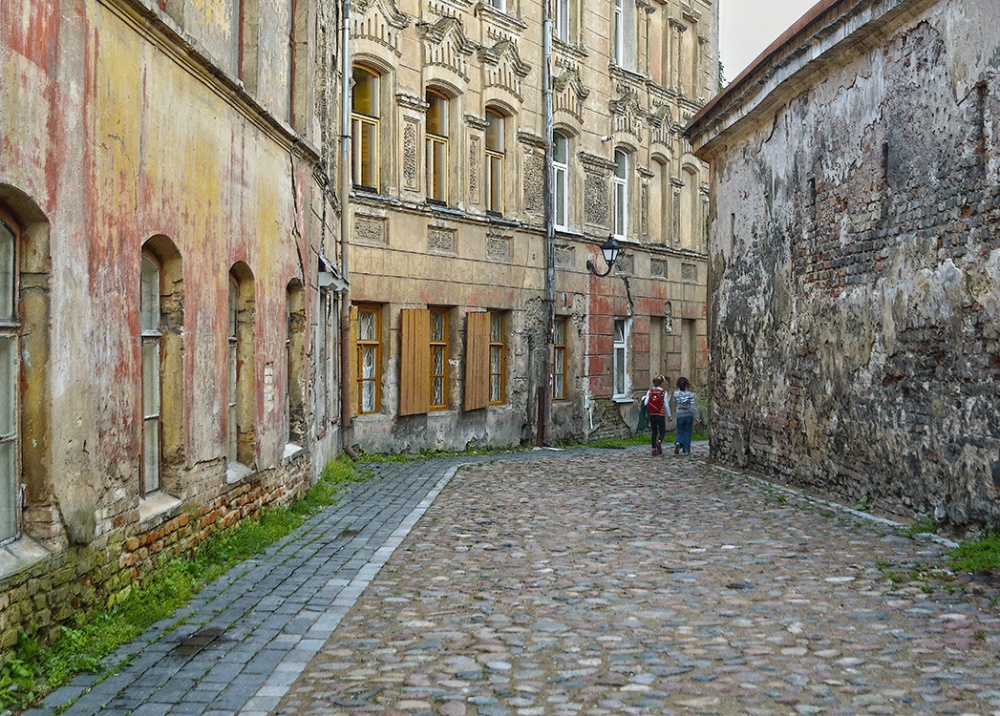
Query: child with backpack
x=658, y=408
x=684, y=399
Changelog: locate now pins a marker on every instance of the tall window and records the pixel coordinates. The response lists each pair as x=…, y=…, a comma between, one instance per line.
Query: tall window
x=234, y=292
x=149, y=311
x=324, y=358
x=494, y=162
x=560, y=165
x=439, y=359
x=620, y=188
x=690, y=224
x=621, y=380
x=10, y=326
x=559, y=361
x=436, y=147
x=365, y=129
x=369, y=355
x=496, y=358
x=560, y=20
x=619, y=32
x=499, y=4
x=295, y=324
x=242, y=442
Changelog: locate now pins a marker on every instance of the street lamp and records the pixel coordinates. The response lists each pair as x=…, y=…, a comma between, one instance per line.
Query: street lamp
x=610, y=250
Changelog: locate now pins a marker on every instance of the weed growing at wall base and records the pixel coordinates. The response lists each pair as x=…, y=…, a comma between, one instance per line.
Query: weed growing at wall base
x=981, y=555
x=35, y=671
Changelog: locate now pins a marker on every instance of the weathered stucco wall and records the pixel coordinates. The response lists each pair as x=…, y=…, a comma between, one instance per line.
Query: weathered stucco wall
x=855, y=249
x=120, y=135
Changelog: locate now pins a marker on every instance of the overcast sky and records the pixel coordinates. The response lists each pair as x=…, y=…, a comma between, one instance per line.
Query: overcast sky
x=747, y=27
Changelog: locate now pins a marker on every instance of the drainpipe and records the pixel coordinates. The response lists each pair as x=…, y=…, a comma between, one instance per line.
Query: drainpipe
x=345, y=229
x=545, y=393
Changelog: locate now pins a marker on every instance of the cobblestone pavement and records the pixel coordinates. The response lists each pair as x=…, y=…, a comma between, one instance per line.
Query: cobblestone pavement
x=595, y=582
x=621, y=584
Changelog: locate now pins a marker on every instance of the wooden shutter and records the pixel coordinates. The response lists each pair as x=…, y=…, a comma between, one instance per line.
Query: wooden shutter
x=415, y=361
x=352, y=379
x=477, y=360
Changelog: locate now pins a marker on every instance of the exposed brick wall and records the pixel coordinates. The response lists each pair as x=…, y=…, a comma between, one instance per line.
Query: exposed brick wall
x=856, y=283
x=81, y=580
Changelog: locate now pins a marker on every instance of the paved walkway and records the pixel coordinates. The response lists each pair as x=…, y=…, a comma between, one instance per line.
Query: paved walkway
x=598, y=582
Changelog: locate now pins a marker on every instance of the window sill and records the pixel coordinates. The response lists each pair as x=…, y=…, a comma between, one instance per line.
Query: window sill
x=291, y=450
x=19, y=555
x=158, y=504
x=622, y=399
x=236, y=472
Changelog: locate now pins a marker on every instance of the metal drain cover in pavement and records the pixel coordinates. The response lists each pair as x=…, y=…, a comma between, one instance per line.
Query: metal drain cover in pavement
x=199, y=641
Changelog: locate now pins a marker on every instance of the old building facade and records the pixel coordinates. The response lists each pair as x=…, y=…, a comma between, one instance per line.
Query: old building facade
x=448, y=239
x=160, y=248
x=854, y=251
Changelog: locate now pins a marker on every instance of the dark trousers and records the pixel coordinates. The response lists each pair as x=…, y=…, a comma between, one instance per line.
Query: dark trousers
x=657, y=429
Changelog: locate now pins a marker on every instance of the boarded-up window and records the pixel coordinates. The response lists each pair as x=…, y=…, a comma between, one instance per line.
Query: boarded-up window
x=559, y=361
x=414, y=361
x=477, y=360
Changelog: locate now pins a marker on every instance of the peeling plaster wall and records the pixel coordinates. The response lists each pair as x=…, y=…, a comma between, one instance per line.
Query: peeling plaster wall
x=855, y=251
x=116, y=129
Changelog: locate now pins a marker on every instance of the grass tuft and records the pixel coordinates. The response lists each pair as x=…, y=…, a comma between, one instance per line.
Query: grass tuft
x=981, y=555
x=35, y=671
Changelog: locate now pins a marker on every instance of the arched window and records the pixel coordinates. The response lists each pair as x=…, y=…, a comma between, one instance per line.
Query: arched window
x=619, y=185
x=495, y=156
x=560, y=166
x=436, y=147
x=689, y=208
x=149, y=313
x=365, y=128
x=242, y=441
x=10, y=329
x=161, y=324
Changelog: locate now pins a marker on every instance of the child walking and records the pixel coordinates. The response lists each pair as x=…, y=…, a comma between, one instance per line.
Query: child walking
x=656, y=404
x=684, y=400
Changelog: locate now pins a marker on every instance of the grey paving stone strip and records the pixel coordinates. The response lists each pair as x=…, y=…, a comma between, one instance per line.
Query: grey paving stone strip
x=273, y=613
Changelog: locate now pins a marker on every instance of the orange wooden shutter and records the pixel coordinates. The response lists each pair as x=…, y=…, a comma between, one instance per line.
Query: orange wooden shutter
x=352, y=379
x=415, y=361
x=477, y=360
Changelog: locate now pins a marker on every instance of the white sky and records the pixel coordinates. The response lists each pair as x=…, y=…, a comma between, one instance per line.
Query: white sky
x=747, y=27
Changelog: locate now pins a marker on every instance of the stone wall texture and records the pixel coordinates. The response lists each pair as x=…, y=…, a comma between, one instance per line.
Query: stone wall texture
x=855, y=259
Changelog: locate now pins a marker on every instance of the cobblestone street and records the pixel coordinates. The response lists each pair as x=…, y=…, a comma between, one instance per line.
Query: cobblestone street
x=626, y=584
x=571, y=583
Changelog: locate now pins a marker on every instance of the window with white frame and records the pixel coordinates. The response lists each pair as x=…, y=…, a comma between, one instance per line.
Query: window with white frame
x=500, y=5
x=10, y=328
x=620, y=189
x=560, y=165
x=621, y=376
x=560, y=19
x=618, y=36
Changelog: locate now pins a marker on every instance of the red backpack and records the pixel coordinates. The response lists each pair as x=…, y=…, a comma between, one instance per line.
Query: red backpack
x=655, y=403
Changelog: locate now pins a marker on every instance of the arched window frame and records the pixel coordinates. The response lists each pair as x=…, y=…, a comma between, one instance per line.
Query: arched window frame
x=366, y=128
x=561, y=154
x=620, y=193
x=436, y=145
x=495, y=143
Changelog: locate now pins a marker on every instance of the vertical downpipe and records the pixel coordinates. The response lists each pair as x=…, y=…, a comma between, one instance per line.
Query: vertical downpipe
x=545, y=393
x=345, y=227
